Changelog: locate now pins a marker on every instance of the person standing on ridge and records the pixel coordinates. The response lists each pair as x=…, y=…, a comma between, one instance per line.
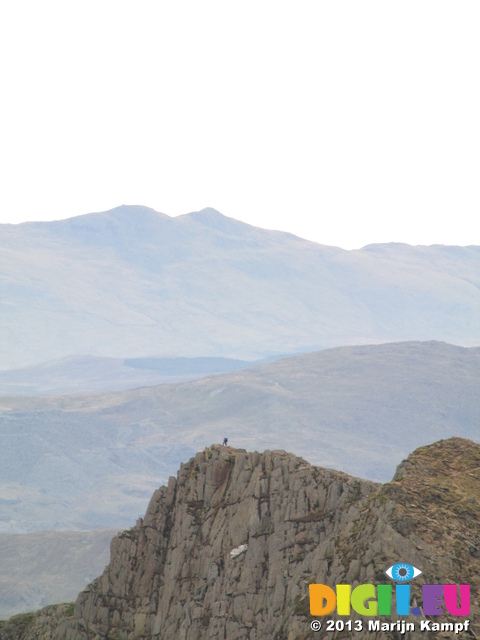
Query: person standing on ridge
x=225, y=442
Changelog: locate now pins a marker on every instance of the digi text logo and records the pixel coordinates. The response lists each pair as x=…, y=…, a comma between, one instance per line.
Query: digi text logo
x=376, y=600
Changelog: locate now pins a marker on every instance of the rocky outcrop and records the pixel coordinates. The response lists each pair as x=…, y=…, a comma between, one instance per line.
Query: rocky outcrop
x=228, y=549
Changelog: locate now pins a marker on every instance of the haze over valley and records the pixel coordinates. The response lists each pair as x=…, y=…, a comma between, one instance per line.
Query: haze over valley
x=130, y=340
x=92, y=461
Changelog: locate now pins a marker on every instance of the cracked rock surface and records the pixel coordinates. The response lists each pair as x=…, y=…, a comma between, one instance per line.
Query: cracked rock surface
x=173, y=577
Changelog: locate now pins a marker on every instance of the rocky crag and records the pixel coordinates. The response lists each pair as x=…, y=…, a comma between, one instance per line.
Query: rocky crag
x=228, y=549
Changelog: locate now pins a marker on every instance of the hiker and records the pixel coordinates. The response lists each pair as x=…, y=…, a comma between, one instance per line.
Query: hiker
x=225, y=442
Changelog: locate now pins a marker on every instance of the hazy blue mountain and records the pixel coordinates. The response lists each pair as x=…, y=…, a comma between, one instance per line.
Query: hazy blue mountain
x=93, y=374
x=48, y=566
x=93, y=461
x=131, y=282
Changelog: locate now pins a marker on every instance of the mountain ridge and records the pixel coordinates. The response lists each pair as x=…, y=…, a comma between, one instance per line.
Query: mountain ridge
x=96, y=374
x=119, y=285
x=359, y=409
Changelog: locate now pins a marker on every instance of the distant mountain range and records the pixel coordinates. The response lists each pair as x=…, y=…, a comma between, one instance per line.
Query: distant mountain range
x=92, y=461
x=93, y=374
x=132, y=282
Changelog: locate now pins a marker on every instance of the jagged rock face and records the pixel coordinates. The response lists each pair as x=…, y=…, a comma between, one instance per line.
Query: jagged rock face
x=173, y=576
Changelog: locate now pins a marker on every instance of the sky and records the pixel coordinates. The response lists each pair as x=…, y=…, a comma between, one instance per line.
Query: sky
x=343, y=122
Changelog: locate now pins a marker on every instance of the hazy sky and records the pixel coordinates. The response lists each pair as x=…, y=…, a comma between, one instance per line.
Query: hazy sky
x=346, y=122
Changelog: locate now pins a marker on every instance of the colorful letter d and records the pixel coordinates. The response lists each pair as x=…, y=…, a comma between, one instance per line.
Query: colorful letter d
x=322, y=599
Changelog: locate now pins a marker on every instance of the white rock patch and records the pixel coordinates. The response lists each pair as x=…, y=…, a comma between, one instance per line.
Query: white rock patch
x=234, y=553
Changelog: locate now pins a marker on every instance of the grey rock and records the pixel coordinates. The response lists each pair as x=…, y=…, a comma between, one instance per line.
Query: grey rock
x=171, y=577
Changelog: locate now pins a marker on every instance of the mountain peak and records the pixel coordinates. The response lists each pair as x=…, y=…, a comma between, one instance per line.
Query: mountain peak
x=123, y=213
x=132, y=209
x=453, y=455
x=213, y=219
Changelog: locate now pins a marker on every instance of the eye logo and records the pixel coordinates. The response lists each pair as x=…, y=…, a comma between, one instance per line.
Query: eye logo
x=402, y=572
